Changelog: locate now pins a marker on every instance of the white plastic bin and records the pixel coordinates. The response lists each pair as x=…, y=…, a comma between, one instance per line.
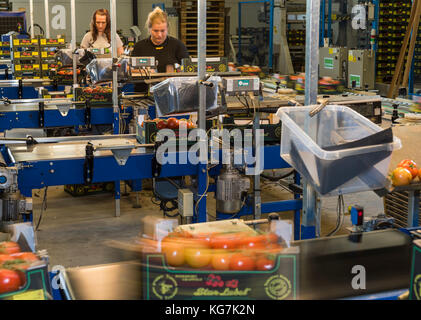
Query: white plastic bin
x=326, y=159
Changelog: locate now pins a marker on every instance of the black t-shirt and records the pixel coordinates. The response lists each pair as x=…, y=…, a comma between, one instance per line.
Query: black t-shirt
x=170, y=52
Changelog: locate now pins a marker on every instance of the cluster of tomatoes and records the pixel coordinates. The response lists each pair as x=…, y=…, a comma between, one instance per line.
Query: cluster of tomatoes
x=97, y=89
x=65, y=72
x=231, y=251
x=405, y=172
x=13, y=266
x=173, y=123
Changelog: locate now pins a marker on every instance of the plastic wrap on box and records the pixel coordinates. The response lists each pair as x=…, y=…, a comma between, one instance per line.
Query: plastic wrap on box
x=181, y=94
x=65, y=56
x=101, y=69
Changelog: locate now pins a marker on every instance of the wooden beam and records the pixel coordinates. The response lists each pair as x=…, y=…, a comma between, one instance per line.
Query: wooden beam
x=414, y=35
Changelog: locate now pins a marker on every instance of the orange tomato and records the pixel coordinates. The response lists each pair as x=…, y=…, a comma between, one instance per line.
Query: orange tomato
x=9, y=247
x=401, y=177
x=173, y=250
x=198, y=257
x=26, y=256
x=5, y=258
x=410, y=165
x=221, y=260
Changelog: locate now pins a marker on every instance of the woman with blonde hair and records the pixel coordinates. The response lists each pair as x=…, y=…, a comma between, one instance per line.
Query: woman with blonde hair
x=100, y=35
x=166, y=49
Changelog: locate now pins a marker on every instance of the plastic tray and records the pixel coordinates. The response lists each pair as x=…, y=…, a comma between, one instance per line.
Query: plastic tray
x=348, y=153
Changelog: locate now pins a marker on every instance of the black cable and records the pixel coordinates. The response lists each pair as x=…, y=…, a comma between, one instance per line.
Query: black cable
x=164, y=207
x=241, y=102
x=340, y=210
x=278, y=178
x=155, y=203
x=43, y=208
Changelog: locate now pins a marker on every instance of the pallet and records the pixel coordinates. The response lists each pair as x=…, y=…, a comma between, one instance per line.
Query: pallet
x=219, y=44
x=219, y=20
x=194, y=3
x=209, y=14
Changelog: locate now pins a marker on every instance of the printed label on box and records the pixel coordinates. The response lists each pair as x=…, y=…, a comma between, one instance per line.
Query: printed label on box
x=328, y=63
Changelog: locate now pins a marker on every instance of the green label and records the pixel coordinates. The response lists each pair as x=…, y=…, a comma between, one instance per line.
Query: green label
x=357, y=80
x=161, y=282
x=243, y=83
x=328, y=63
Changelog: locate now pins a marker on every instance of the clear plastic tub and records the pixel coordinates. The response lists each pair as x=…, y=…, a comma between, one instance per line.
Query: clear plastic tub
x=181, y=94
x=347, y=152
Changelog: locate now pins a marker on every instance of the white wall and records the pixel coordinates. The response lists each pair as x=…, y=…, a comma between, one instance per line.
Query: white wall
x=84, y=11
x=86, y=8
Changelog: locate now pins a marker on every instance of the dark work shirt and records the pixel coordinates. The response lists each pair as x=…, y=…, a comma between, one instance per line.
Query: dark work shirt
x=170, y=52
x=167, y=53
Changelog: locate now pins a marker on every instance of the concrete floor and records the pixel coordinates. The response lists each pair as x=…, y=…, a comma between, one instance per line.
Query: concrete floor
x=74, y=230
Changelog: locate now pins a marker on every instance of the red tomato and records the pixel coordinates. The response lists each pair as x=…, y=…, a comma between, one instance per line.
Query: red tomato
x=161, y=125
x=173, y=249
x=242, y=262
x=221, y=260
x=198, y=257
x=25, y=256
x=172, y=123
x=9, y=281
x=9, y=247
x=223, y=241
x=265, y=264
x=254, y=242
x=410, y=165
x=204, y=239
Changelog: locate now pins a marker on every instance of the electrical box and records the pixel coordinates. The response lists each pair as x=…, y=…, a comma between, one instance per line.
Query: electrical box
x=143, y=62
x=361, y=69
x=241, y=85
x=185, y=202
x=213, y=64
x=333, y=62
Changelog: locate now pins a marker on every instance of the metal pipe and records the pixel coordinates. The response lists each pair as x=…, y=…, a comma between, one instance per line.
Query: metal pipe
x=254, y=222
x=47, y=19
x=309, y=221
x=31, y=15
x=73, y=17
x=113, y=14
x=202, y=173
x=201, y=63
x=271, y=34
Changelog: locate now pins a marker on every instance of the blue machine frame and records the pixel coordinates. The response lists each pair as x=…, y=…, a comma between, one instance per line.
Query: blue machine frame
x=53, y=118
x=43, y=173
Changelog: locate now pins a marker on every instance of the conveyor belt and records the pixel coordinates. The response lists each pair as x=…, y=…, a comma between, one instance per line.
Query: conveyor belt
x=66, y=149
